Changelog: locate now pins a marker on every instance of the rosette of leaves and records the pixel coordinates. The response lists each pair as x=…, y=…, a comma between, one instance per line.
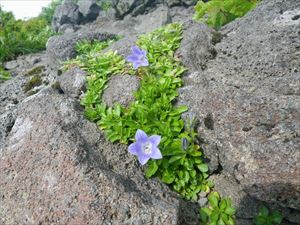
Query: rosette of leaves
x=217, y=13
x=265, y=217
x=219, y=212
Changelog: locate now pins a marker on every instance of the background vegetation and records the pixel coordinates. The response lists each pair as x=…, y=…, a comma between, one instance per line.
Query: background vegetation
x=217, y=13
x=18, y=37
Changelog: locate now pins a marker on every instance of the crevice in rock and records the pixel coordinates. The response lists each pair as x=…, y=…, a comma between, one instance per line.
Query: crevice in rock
x=209, y=122
x=9, y=127
x=296, y=17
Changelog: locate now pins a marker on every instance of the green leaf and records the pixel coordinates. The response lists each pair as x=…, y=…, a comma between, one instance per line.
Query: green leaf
x=230, y=211
x=220, y=222
x=168, y=177
x=204, y=214
x=276, y=217
x=223, y=204
x=152, y=168
x=230, y=221
x=203, y=168
x=175, y=158
x=213, y=199
x=214, y=217
x=263, y=210
x=179, y=110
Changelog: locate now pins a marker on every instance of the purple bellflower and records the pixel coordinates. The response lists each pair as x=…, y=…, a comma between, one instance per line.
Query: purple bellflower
x=145, y=147
x=138, y=57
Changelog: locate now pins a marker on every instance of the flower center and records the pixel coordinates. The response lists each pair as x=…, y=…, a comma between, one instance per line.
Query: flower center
x=147, y=148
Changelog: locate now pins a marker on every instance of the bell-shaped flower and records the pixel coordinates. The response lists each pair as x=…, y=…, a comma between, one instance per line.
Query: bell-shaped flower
x=145, y=147
x=138, y=57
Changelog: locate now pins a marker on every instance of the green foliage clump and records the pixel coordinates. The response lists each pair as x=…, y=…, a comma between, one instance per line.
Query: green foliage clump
x=152, y=111
x=18, y=37
x=265, y=217
x=217, y=13
x=4, y=75
x=105, y=4
x=219, y=212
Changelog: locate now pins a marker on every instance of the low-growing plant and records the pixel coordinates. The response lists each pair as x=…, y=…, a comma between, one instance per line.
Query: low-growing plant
x=265, y=217
x=217, y=13
x=182, y=165
x=219, y=212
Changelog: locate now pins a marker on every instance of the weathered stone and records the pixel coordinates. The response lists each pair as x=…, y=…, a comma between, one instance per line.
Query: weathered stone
x=67, y=28
x=151, y=21
x=123, y=46
x=190, y=47
x=72, y=82
x=67, y=13
x=124, y=7
x=120, y=90
x=62, y=48
x=181, y=14
x=171, y=3
x=250, y=93
x=89, y=10
x=60, y=168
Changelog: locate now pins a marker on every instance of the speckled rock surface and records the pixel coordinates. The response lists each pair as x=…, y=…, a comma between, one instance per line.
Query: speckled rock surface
x=67, y=13
x=57, y=168
x=193, y=54
x=12, y=91
x=72, y=82
x=248, y=102
x=120, y=89
x=62, y=47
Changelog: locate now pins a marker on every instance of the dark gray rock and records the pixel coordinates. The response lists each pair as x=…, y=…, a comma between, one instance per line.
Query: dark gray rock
x=249, y=96
x=190, y=48
x=109, y=14
x=89, y=9
x=67, y=13
x=67, y=28
x=125, y=7
x=72, y=82
x=62, y=48
x=120, y=90
x=171, y=3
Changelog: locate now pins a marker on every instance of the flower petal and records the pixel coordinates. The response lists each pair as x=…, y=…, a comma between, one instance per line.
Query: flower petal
x=143, y=159
x=155, y=139
x=141, y=136
x=144, y=62
x=156, y=154
x=132, y=58
x=134, y=148
x=136, y=65
x=144, y=52
x=136, y=51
